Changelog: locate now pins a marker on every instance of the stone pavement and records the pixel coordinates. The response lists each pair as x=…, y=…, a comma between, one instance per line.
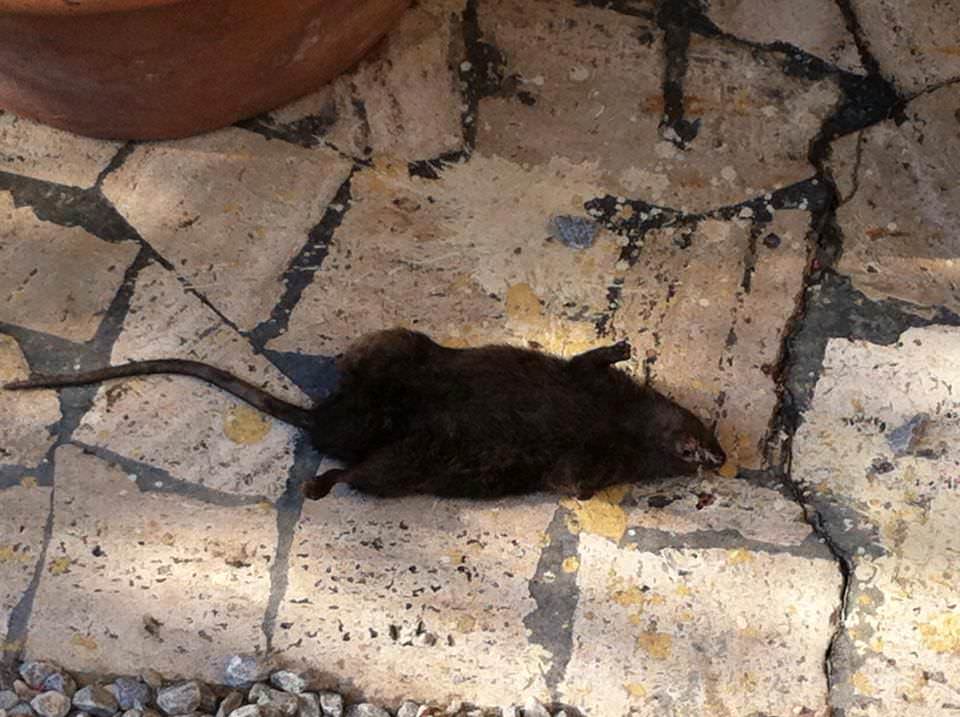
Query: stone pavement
x=762, y=196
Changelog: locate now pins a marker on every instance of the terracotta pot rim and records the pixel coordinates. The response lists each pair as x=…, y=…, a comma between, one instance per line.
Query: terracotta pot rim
x=78, y=7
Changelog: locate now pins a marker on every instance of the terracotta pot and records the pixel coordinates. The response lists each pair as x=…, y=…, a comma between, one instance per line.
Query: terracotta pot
x=155, y=69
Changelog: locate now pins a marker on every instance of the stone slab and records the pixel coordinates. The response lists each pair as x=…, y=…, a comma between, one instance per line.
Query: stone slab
x=35, y=150
x=26, y=419
x=901, y=205
x=712, y=632
x=24, y=509
x=587, y=89
x=402, y=101
x=196, y=432
x=915, y=43
x=815, y=26
x=880, y=441
x=37, y=292
x=416, y=598
x=468, y=258
x=137, y=580
x=229, y=209
x=706, y=310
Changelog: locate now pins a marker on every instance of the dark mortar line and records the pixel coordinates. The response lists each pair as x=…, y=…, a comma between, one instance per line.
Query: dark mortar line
x=115, y=163
x=69, y=207
x=483, y=76
x=289, y=507
x=652, y=540
x=676, y=18
x=551, y=622
x=19, y=620
x=12, y=474
x=852, y=22
x=304, y=266
x=308, y=132
x=148, y=476
x=315, y=375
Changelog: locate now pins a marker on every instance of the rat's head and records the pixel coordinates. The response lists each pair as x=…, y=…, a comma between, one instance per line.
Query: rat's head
x=685, y=438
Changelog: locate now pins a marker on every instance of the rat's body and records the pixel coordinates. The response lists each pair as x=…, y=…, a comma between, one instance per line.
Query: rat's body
x=410, y=416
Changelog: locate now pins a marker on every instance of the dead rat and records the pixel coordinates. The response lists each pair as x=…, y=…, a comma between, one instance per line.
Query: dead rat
x=410, y=416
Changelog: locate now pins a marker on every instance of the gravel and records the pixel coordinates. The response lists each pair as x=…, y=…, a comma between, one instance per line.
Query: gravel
x=46, y=691
x=96, y=700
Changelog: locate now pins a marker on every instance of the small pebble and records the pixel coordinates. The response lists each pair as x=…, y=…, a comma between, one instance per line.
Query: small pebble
x=262, y=695
x=21, y=710
x=229, y=704
x=332, y=704
x=130, y=693
x=408, y=709
x=246, y=711
x=152, y=678
x=511, y=711
x=51, y=704
x=243, y=670
x=288, y=682
x=96, y=700
x=309, y=705
x=185, y=697
x=8, y=698
x=24, y=691
x=35, y=673
x=365, y=709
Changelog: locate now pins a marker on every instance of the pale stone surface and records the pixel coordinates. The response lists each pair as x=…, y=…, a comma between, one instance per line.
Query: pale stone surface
x=815, y=26
x=407, y=88
x=901, y=212
x=916, y=42
x=713, y=341
x=713, y=503
x=23, y=517
x=712, y=632
x=42, y=152
x=416, y=598
x=135, y=580
x=596, y=83
x=194, y=431
x=902, y=617
x=229, y=209
x=37, y=292
x=25, y=418
x=467, y=259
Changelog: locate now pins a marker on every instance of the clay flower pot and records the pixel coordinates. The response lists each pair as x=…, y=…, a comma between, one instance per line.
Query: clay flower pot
x=154, y=69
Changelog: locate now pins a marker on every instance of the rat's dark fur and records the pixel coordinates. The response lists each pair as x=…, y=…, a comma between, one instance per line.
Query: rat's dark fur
x=411, y=416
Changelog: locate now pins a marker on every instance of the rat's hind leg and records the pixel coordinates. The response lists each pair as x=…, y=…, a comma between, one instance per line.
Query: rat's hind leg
x=387, y=472
x=603, y=356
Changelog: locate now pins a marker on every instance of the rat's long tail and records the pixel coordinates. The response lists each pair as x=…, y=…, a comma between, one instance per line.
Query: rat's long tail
x=256, y=397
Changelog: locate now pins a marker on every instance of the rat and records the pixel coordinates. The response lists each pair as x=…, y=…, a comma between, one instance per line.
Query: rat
x=409, y=416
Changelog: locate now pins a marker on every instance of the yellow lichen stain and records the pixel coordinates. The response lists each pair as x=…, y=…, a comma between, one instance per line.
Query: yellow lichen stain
x=9, y=554
x=861, y=683
x=571, y=564
x=600, y=515
x=10, y=646
x=167, y=539
x=864, y=600
x=84, y=641
x=523, y=304
x=685, y=616
x=245, y=426
x=655, y=644
x=264, y=506
x=942, y=634
x=28, y=482
x=877, y=644
x=59, y=566
x=683, y=590
x=635, y=689
x=739, y=556
x=545, y=540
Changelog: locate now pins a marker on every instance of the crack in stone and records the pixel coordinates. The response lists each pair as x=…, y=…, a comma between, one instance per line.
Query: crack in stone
x=481, y=74
x=556, y=593
x=304, y=266
x=288, y=506
x=114, y=164
x=654, y=540
x=676, y=19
